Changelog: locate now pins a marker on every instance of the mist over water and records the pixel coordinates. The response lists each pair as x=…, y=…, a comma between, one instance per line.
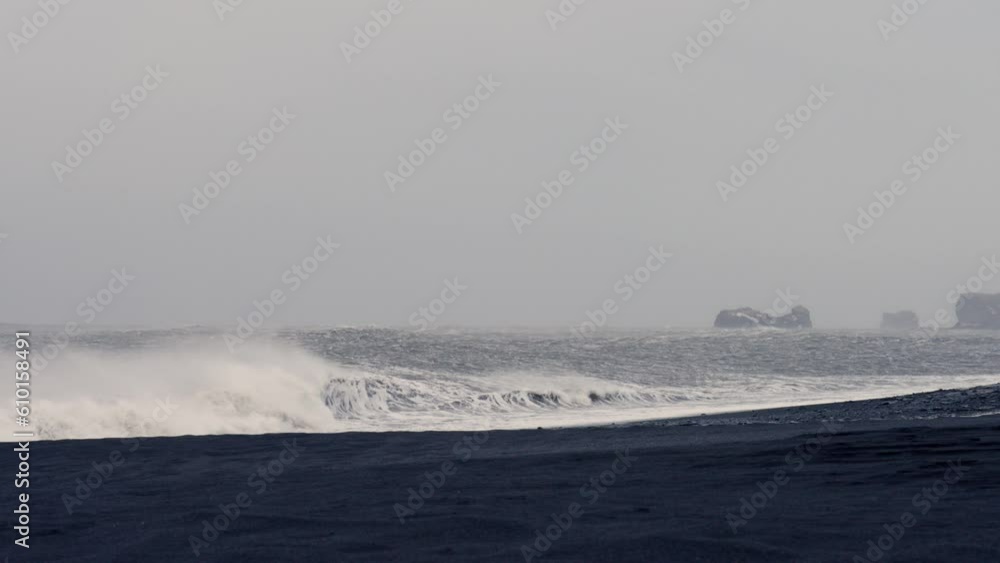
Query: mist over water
x=186, y=382
x=464, y=257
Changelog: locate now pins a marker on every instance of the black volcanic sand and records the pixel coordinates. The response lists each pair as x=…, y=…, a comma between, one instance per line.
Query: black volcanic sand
x=335, y=501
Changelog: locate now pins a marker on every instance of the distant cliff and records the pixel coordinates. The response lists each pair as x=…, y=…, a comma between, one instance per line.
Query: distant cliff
x=903, y=320
x=751, y=318
x=978, y=310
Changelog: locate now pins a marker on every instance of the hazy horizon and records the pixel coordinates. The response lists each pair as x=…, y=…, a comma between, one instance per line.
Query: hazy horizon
x=543, y=92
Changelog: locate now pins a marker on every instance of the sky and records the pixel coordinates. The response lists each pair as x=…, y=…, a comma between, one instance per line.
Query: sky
x=312, y=106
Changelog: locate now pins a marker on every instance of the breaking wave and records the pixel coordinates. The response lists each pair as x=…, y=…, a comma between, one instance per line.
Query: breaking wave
x=271, y=389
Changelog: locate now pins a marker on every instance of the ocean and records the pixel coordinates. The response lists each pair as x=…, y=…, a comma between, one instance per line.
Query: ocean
x=137, y=383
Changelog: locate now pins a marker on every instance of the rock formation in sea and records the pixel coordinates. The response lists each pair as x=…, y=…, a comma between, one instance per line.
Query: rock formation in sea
x=752, y=318
x=903, y=320
x=978, y=310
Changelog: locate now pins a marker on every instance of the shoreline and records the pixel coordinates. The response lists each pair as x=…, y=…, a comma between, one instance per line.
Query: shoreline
x=486, y=496
x=975, y=401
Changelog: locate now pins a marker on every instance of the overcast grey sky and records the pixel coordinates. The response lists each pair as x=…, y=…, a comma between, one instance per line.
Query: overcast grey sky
x=221, y=79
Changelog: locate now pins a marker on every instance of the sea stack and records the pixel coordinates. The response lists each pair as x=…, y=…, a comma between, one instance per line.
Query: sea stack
x=978, y=310
x=751, y=318
x=903, y=320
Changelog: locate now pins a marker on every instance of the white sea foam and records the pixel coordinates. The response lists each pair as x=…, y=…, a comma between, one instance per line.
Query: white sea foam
x=269, y=389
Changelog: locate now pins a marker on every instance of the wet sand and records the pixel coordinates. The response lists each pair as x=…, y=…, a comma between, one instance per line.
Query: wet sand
x=918, y=474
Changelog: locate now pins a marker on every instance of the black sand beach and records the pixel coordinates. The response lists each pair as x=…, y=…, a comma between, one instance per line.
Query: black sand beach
x=805, y=484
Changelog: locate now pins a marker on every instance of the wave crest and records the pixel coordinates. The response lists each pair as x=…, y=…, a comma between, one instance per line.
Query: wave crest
x=272, y=389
